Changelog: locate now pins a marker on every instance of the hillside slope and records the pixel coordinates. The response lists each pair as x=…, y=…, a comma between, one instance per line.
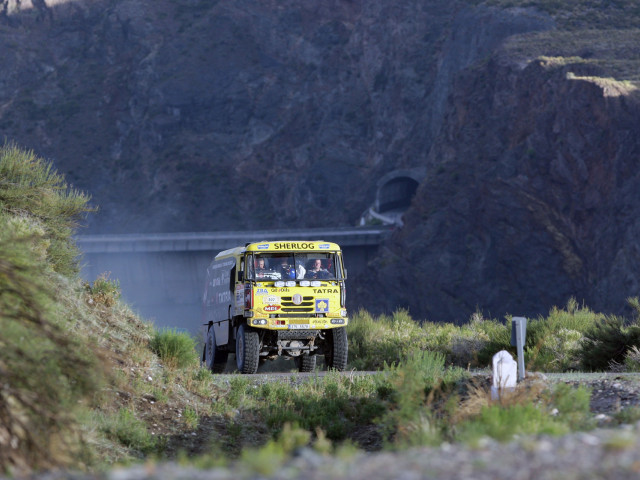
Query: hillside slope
x=79, y=379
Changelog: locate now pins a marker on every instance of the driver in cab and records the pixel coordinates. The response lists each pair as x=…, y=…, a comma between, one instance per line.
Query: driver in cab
x=260, y=268
x=316, y=270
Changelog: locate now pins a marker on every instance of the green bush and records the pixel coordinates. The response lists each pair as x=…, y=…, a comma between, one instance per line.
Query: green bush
x=130, y=431
x=553, y=343
x=31, y=188
x=608, y=342
x=177, y=349
x=564, y=340
x=412, y=387
x=498, y=337
x=632, y=359
x=336, y=405
x=372, y=342
x=572, y=405
x=104, y=291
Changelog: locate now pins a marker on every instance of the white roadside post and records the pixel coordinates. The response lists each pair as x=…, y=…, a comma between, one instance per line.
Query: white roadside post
x=518, y=337
x=504, y=374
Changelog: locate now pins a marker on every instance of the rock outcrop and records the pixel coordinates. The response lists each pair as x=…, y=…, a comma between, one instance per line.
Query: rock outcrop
x=530, y=198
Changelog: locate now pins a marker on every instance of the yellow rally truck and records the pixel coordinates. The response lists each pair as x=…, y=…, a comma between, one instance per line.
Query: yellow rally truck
x=277, y=298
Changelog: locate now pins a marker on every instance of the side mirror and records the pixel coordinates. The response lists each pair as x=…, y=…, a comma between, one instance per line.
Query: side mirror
x=240, y=276
x=345, y=273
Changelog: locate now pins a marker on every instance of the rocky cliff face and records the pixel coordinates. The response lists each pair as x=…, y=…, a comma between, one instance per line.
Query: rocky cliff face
x=531, y=198
x=189, y=115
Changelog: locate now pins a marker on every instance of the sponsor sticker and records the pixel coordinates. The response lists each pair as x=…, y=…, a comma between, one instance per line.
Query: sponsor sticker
x=262, y=291
x=271, y=299
x=294, y=246
x=263, y=246
x=324, y=246
x=322, y=305
x=271, y=308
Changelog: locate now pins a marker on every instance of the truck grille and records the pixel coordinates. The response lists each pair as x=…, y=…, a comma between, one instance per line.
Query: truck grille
x=289, y=307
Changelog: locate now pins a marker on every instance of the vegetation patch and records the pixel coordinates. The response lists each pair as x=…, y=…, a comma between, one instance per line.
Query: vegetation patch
x=555, y=343
x=610, y=86
x=174, y=347
x=45, y=371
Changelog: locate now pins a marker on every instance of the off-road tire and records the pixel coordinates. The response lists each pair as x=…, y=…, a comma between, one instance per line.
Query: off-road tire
x=247, y=350
x=338, y=349
x=214, y=358
x=306, y=363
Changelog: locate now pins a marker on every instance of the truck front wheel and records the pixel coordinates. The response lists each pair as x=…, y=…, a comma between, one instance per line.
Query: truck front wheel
x=247, y=350
x=214, y=357
x=338, y=349
x=306, y=363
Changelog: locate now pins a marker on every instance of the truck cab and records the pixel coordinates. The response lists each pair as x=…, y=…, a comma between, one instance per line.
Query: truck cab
x=276, y=298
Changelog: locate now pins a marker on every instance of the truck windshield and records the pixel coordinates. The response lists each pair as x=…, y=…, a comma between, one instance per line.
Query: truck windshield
x=293, y=266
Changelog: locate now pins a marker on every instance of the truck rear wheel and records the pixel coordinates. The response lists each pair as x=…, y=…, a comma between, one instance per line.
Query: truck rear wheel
x=215, y=359
x=247, y=350
x=338, y=349
x=306, y=363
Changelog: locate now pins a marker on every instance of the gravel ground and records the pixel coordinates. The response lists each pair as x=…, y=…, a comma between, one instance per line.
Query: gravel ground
x=601, y=454
x=604, y=453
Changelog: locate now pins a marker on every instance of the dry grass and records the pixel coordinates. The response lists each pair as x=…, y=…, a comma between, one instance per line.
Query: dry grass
x=613, y=51
x=610, y=86
x=478, y=397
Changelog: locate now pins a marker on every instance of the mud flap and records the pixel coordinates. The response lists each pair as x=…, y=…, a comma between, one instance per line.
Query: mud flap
x=221, y=329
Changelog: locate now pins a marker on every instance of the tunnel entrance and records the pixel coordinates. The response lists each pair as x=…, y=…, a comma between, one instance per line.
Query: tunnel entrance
x=396, y=194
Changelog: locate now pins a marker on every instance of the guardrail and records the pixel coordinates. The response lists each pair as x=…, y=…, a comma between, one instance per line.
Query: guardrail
x=199, y=241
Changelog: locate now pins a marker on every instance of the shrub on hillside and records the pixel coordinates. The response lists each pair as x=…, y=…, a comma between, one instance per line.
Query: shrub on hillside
x=632, y=359
x=607, y=342
x=415, y=385
x=177, y=349
x=129, y=430
x=30, y=188
x=386, y=339
x=554, y=342
x=103, y=291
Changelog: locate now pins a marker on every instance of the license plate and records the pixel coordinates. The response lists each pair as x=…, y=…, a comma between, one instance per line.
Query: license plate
x=299, y=327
